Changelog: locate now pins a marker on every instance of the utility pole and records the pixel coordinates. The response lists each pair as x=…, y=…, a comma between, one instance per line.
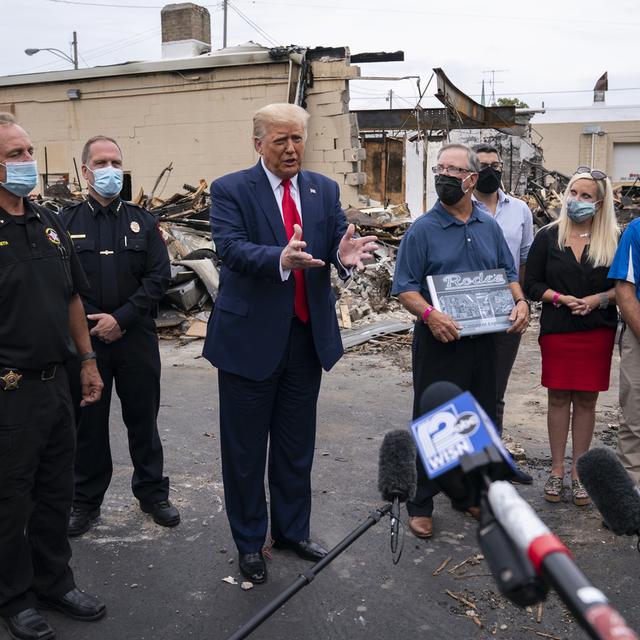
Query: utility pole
x=75, y=50
x=224, y=28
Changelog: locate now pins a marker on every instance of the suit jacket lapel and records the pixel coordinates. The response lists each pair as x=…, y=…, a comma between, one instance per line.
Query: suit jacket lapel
x=311, y=208
x=267, y=201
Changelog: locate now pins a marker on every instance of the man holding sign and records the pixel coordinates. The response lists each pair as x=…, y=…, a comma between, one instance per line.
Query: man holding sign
x=455, y=236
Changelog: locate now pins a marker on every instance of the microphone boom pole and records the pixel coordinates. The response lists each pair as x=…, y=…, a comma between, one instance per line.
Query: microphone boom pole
x=307, y=576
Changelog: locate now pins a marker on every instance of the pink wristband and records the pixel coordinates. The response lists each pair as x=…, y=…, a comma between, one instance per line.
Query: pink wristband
x=556, y=297
x=426, y=313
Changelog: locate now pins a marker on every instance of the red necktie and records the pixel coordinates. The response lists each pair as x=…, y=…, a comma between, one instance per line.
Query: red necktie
x=291, y=217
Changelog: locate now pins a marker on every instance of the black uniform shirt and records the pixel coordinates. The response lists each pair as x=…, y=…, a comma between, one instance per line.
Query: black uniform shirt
x=123, y=255
x=39, y=274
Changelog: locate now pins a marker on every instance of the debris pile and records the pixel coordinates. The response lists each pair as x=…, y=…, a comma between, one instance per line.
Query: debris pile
x=387, y=224
x=183, y=219
x=626, y=196
x=191, y=207
x=544, y=197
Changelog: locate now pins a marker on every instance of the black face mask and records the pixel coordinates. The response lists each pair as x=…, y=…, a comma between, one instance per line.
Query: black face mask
x=449, y=189
x=489, y=180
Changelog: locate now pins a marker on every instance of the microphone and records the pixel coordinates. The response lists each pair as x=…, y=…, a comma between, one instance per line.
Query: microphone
x=612, y=490
x=397, y=475
x=458, y=444
x=553, y=561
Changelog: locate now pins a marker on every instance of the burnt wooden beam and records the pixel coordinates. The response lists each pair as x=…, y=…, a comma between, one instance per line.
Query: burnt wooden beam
x=377, y=56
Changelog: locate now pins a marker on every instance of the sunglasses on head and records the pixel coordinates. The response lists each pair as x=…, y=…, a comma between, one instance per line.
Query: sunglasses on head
x=595, y=174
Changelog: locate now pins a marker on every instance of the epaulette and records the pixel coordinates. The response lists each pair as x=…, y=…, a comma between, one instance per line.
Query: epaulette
x=69, y=207
x=136, y=206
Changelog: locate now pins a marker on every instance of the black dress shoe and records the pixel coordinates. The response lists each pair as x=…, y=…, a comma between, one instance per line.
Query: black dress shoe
x=306, y=549
x=75, y=604
x=163, y=512
x=28, y=625
x=521, y=477
x=80, y=521
x=253, y=567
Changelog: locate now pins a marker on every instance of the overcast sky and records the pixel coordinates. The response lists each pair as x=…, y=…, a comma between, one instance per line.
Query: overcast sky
x=541, y=50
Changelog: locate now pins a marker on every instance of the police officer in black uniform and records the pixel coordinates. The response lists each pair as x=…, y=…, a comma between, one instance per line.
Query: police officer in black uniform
x=42, y=318
x=127, y=265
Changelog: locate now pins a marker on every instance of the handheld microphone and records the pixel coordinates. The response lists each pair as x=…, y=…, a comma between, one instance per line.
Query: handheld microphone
x=458, y=444
x=553, y=561
x=397, y=475
x=612, y=490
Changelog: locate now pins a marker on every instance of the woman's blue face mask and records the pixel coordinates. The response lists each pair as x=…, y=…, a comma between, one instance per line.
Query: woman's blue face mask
x=580, y=211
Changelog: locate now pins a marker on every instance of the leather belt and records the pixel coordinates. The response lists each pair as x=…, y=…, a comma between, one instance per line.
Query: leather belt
x=10, y=377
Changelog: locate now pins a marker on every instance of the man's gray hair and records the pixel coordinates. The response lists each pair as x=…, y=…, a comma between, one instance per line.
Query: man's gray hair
x=7, y=118
x=472, y=158
x=278, y=113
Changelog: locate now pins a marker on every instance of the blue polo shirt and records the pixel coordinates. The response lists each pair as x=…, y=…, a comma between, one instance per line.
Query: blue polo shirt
x=437, y=243
x=626, y=262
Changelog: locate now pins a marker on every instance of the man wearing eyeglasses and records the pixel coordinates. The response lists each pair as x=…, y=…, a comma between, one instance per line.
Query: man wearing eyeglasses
x=453, y=237
x=516, y=222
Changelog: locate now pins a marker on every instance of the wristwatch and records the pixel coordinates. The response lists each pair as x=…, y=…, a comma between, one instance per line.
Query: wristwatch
x=604, y=300
x=525, y=301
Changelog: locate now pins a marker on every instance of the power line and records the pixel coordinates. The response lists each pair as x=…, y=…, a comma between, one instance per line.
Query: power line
x=252, y=24
x=117, y=6
x=457, y=14
x=105, y=4
x=95, y=50
x=130, y=43
x=382, y=94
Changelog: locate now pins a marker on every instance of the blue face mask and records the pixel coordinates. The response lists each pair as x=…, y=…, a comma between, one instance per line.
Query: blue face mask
x=107, y=181
x=22, y=177
x=579, y=211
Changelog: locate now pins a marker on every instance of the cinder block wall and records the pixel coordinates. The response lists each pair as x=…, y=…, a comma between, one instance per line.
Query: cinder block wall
x=199, y=120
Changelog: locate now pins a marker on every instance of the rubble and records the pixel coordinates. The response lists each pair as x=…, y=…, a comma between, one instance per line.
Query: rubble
x=387, y=224
x=544, y=196
x=365, y=308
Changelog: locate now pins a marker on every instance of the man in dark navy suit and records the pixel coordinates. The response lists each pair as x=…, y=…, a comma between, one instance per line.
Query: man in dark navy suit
x=277, y=230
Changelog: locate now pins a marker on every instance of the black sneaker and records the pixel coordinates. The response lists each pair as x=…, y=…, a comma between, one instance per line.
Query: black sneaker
x=162, y=512
x=80, y=521
x=521, y=477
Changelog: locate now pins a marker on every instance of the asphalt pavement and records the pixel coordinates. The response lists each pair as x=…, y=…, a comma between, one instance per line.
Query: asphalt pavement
x=163, y=584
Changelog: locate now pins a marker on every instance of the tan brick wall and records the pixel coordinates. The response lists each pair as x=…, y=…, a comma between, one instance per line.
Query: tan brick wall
x=202, y=126
x=566, y=147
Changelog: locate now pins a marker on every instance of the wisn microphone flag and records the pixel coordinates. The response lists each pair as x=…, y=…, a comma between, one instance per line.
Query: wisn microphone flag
x=457, y=428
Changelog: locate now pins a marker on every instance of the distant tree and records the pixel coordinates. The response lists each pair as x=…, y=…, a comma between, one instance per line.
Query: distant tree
x=512, y=102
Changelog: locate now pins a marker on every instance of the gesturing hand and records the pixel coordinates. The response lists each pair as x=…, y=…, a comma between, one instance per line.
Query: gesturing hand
x=352, y=251
x=293, y=256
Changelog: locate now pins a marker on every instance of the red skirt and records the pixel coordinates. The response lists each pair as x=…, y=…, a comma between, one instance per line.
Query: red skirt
x=578, y=361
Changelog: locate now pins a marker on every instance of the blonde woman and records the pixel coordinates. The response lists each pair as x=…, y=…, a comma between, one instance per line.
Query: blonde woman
x=567, y=270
